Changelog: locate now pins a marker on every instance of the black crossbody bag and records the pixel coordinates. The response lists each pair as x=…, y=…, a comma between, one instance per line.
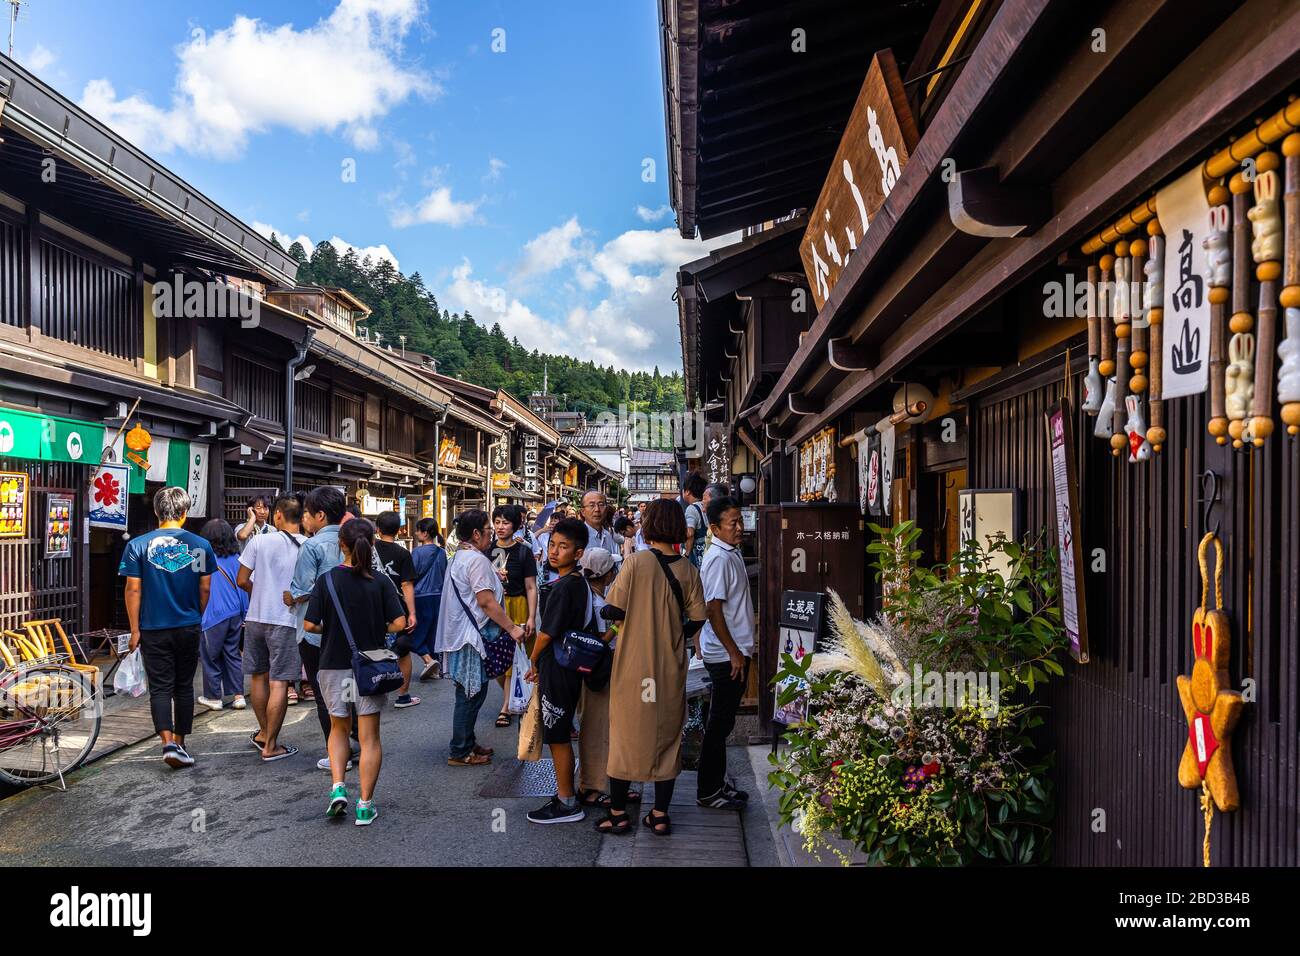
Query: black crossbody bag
x=376, y=672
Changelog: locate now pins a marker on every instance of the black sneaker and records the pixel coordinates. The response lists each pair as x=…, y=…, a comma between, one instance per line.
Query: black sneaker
x=730, y=791
x=720, y=801
x=556, y=812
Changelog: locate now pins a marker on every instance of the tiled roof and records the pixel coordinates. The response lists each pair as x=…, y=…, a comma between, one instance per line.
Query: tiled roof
x=649, y=458
x=600, y=436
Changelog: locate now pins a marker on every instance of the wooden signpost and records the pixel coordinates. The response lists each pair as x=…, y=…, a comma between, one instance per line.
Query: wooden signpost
x=880, y=136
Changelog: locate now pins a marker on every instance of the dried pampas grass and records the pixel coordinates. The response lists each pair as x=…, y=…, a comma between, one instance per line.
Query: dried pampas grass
x=854, y=647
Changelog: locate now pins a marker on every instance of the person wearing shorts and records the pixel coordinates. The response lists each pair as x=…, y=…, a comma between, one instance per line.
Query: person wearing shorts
x=569, y=608
x=352, y=600
x=271, y=658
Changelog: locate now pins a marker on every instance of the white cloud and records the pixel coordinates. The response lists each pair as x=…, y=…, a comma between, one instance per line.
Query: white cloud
x=437, y=207
x=286, y=239
x=341, y=73
x=632, y=322
x=550, y=250
x=495, y=166
x=647, y=214
x=38, y=59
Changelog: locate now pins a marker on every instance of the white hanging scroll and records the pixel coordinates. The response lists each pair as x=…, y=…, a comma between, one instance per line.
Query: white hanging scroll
x=1185, y=218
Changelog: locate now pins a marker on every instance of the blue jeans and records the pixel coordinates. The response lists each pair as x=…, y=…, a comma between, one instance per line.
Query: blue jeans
x=463, y=719
x=222, y=667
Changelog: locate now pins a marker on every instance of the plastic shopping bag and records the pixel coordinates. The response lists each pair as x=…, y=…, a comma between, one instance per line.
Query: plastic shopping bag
x=530, y=730
x=521, y=692
x=129, y=677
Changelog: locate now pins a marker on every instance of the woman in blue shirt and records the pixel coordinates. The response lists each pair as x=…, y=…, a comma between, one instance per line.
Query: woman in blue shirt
x=222, y=619
x=430, y=559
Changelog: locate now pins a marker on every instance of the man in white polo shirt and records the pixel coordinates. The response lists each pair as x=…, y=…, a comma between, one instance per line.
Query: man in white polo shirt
x=726, y=645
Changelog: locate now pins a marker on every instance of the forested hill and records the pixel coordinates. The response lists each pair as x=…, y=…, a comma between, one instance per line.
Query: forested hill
x=465, y=349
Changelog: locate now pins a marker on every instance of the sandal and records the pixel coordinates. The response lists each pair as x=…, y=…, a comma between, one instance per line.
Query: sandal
x=293, y=697
x=593, y=798
x=612, y=824
x=307, y=693
x=654, y=823
x=258, y=745
x=288, y=751
x=503, y=720
x=469, y=760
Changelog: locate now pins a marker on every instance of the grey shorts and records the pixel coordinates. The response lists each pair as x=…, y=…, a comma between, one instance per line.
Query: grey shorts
x=272, y=649
x=339, y=689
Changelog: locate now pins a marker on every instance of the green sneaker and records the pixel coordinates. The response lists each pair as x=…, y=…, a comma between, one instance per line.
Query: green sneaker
x=366, y=813
x=338, y=801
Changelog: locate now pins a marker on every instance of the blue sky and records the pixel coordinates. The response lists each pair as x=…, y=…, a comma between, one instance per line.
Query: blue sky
x=500, y=148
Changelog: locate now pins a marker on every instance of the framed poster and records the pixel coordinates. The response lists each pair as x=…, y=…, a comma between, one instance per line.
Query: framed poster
x=1065, y=495
x=58, y=526
x=13, y=504
x=800, y=625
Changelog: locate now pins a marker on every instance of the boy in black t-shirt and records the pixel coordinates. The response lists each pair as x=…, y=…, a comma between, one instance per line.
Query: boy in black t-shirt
x=399, y=567
x=568, y=608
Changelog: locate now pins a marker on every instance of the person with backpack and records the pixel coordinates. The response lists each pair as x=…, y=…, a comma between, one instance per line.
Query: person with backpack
x=471, y=615
x=515, y=565
x=697, y=527
x=222, y=620
x=272, y=661
x=659, y=600
x=570, y=607
x=352, y=610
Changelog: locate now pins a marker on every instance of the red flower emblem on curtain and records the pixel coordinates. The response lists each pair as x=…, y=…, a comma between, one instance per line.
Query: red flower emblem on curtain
x=107, y=490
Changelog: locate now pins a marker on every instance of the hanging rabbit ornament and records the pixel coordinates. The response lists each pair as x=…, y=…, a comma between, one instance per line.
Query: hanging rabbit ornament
x=1242, y=322
x=1211, y=709
x=1093, y=384
x=1266, y=223
x=1218, y=257
x=1239, y=387
x=1139, y=449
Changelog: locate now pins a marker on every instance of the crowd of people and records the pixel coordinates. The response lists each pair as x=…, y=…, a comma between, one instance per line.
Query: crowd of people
x=306, y=599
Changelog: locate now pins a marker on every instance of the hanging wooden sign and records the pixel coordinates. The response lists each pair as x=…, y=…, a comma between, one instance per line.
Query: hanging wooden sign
x=1065, y=494
x=1211, y=709
x=878, y=140
x=816, y=465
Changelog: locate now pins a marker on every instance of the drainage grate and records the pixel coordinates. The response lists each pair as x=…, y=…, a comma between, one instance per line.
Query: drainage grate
x=521, y=778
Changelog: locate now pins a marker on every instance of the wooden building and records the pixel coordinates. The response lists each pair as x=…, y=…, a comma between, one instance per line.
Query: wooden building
x=1003, y=154
x=139, y=320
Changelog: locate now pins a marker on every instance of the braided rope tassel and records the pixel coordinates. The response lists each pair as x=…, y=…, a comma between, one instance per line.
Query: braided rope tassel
x=1207, y=806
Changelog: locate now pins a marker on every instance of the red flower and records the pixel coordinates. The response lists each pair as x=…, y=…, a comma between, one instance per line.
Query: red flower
x=931, y=769
x=107, y=490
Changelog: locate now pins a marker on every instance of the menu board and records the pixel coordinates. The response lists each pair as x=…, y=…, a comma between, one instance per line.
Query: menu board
x=13, y=504
x=1065, y=494
x=58, y=526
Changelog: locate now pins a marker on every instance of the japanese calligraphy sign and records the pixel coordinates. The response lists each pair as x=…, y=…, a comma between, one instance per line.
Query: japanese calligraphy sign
x=108, y=496
x=1065, y=494
x=1185, y=218
x=800, y=625
x=816, y=465
x=879, y=138
x=717, y=456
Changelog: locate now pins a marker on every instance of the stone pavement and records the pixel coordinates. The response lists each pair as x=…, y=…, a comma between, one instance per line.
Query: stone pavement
x=232, y=810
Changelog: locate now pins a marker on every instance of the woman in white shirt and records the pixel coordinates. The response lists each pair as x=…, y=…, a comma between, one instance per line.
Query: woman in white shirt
x=471, y=598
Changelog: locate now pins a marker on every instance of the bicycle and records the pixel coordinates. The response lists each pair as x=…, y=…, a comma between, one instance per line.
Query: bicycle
x=50, y=716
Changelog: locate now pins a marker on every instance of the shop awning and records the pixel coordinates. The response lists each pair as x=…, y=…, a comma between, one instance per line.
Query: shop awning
x=49, y=438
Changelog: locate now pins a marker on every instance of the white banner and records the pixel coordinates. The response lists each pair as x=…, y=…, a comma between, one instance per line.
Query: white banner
x=864, y=469
x=886, y=463
x=198, y=480
x=108, y=497
x=158, y=460
x=1185, y=219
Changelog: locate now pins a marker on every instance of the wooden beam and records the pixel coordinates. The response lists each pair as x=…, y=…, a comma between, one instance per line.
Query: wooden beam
x=1235, y=71
x=980, y=205
x=847, y=357
x=801, y=404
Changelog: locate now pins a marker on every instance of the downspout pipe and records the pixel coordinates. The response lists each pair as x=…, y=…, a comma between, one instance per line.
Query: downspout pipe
x=437, y=454
x=290, y=370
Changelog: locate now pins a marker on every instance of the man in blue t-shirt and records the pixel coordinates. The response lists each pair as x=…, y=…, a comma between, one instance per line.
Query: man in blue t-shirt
x=168, y=573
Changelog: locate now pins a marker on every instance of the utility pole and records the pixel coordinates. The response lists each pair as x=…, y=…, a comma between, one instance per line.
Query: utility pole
x=14, y=6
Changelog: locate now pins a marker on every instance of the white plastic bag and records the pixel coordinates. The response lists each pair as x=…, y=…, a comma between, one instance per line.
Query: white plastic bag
x=521, y=692
x=129, y=677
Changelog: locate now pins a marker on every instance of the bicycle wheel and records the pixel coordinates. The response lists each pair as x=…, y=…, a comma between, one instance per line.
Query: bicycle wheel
x=49, y=721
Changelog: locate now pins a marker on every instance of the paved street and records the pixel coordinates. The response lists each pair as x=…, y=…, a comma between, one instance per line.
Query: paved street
x=129, y=809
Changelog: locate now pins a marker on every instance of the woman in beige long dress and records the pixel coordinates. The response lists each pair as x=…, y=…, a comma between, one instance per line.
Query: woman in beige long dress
x=647, y=687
